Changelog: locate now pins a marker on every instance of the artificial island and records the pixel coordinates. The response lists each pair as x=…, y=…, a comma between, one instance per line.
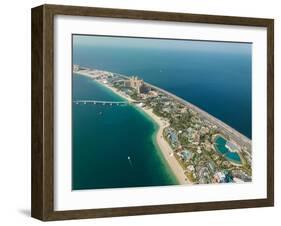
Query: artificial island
x=199, y=148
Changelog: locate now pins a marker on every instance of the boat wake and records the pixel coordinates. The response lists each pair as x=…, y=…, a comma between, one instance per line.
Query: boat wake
x=129, y=159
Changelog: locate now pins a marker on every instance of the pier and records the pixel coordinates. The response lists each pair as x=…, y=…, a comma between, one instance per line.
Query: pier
x=99, y=102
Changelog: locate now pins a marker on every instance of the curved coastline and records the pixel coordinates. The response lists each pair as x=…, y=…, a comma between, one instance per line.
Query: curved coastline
x=156, y=144
x=162, y=144
x=165, y=148
x=165, y=139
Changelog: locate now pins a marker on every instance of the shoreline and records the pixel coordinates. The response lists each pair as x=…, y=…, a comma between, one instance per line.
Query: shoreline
x=163, y=145
x=233, y=134
x=165, y=148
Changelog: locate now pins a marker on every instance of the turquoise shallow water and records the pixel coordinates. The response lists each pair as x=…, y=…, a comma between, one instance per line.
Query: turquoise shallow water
x=220, y=143
x=104, y=137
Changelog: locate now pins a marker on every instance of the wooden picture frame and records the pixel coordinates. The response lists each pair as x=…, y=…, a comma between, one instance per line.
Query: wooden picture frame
x=42, y=203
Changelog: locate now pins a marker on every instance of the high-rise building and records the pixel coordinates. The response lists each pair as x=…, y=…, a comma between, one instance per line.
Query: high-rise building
x=136, y=84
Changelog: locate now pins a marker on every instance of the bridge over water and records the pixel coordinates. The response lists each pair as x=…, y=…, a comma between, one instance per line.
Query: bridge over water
x=100, y=102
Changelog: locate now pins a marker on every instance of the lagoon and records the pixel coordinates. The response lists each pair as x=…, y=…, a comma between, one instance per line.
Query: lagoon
x=220, y=146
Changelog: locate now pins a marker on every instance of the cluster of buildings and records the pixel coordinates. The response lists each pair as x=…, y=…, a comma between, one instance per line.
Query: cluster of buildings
x=192, y=140
x=190, y=136
x=137, y=84
x=185, y=155
x=172, y=136
x=223, y=176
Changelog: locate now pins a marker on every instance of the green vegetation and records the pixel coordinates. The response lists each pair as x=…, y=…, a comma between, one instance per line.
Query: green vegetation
x=188, y=132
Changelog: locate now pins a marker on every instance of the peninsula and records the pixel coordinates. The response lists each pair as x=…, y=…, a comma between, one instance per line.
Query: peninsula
x=198, y=147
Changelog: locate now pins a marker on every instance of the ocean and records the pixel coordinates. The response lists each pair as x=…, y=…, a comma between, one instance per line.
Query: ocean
x=103, y=137
x=213, y=76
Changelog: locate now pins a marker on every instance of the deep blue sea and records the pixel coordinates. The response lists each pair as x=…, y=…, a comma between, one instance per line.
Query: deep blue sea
x=214, y=76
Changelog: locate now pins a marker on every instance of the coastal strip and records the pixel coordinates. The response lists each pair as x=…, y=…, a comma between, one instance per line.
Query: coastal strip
x=163, y=145
x=231, y=132
x=166, y=150
x=186, y=134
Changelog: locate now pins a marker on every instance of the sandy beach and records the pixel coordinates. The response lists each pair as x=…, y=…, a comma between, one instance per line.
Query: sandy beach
x=164, y=147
